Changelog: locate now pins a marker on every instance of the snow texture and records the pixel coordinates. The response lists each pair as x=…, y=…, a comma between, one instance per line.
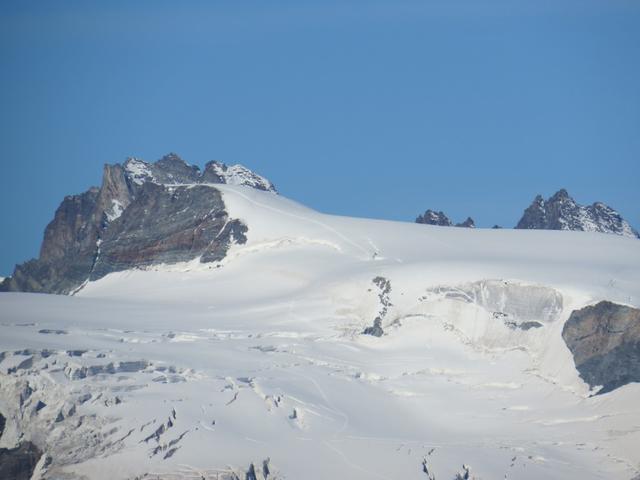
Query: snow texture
x=191, y=370
x=116, y=210
x=138, y=171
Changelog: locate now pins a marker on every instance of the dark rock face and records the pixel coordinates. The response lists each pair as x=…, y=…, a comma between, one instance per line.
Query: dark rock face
x=561, y=212
x=431, y=217
x=73, y=233
x=19, y=463
x=143, y=214
x=155, y=229
x=172, y=169
x=375, y=330
x=69, y=233
x=605, y=342
x=212, y=173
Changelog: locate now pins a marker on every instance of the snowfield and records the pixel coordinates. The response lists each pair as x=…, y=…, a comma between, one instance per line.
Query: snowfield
x=200, y=370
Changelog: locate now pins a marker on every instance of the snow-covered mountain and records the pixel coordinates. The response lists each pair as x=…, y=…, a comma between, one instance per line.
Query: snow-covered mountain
x=171, y=169
x=316, y=346
x=561, y=212
x=143, y=214
x=240, y=175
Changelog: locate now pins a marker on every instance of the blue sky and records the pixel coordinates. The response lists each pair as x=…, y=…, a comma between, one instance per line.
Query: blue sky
x=363, y=108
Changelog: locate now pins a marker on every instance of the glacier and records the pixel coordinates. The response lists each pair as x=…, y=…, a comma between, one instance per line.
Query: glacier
x=255, y=366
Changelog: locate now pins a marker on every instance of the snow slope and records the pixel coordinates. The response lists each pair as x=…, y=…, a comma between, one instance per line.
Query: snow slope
x=197, y=370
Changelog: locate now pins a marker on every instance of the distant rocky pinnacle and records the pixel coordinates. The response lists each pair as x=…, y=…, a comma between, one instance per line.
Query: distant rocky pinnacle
x=431, y=217
x=561, y=212
x=142, y=214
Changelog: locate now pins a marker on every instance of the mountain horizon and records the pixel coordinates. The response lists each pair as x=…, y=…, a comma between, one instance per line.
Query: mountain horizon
x=62, y=267
x=320, y=240
x=205, y=323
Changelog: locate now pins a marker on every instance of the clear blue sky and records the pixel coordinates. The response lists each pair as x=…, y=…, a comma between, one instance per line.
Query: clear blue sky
x=378, y=108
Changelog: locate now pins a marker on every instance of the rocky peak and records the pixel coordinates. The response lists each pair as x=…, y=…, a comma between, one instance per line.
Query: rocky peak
x=431, y=217
x=172, y=158
x=560, y=196
x=235, y=175
x=142, y=214
x=171, y=170
x=212, y=172
x=562, y=212
x=138, y=171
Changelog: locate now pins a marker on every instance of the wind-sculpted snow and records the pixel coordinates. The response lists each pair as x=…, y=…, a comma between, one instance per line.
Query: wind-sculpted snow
x=192, y=370
x=514, y=302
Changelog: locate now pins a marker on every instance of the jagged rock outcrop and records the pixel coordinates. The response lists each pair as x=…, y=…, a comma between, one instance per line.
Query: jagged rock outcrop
x=67, y=251
x=561, y=212
x=431, y=217
x=384, y=303
x=468, y=223
x=142, y=214
x=235, y=175
x=172, y=170
x=605, y=342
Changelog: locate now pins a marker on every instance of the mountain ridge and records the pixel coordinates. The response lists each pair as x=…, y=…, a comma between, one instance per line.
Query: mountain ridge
x=562, y=212
x=170, y=211
x=558, y=212
x=179, y=368
x=143, y=213
x=172, y=169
